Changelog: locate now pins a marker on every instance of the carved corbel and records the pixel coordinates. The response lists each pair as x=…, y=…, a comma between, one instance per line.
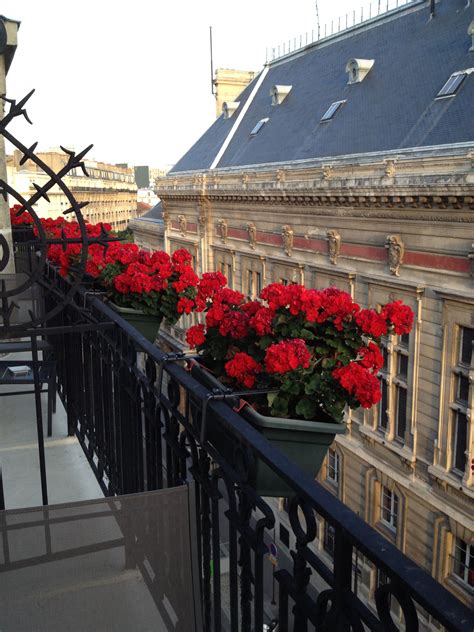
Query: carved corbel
x=395, y=250
x=222, y=229
x=390, y=168
x=252, y=232
x=182, y=223
x=288, y=239
x=334, y=245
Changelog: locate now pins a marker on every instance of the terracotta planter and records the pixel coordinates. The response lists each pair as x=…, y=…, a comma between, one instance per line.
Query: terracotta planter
x=304, y=442
x=147, y=324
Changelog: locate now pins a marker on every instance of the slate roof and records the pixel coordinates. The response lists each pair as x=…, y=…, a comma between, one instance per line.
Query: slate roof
x=155, y=213
x=394, y=107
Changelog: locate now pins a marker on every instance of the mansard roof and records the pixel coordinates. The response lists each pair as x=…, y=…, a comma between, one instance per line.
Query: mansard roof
x=393, y=107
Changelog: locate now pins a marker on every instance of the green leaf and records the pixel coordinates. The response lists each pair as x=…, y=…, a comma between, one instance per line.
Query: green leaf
x=279, y=407
x=307, y=408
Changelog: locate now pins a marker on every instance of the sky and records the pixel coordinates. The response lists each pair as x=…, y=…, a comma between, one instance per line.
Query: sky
x=133, y=78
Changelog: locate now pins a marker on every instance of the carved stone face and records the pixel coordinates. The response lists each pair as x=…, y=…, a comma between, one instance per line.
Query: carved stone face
x=252, y=232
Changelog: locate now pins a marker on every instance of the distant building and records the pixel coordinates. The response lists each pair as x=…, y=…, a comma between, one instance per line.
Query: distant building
x=145, y=176
x=8, y=43
x=229, y=84
x=352, y=166
x=110, y=189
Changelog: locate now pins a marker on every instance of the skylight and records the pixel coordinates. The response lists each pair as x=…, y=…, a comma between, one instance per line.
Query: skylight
x=258, y=127
x=452, y=84
x=332, y=109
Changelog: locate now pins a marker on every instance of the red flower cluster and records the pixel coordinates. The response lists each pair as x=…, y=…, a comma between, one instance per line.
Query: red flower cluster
x=360, y=383
x=265, y=343
x=244, y=369
x=287, y=355
x=195, y=336
x=24, y=219
x=400, y=315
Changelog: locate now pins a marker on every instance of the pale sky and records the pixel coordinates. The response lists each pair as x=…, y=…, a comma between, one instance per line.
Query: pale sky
x=133, y=78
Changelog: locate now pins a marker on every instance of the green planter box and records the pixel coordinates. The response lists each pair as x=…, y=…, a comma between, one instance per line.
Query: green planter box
x=304, y=442
x=147, y=324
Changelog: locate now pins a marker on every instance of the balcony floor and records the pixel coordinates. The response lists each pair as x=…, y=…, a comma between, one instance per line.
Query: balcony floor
x=69, y=475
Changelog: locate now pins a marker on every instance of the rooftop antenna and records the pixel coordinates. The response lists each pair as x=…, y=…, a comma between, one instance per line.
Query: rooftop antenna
x=212, y=63
x=317, y=16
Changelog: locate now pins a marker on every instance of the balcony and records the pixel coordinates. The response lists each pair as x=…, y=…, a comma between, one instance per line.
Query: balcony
x=160, y=528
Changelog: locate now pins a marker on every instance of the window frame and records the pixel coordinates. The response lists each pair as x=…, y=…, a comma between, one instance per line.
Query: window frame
x=393, y=520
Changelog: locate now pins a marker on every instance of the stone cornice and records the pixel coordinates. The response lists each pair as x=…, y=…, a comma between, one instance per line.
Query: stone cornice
x=409, y=182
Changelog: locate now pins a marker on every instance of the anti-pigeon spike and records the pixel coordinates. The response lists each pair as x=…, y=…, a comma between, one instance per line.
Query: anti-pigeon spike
x=84, y=170
x=25, y=99
x=82, y=153
x=69, y=152
x=41, y=192
x=25, y=157
x=27, y=117
x=63, y=236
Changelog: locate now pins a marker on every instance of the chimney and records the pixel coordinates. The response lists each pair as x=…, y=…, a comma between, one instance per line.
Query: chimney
x=229, y=84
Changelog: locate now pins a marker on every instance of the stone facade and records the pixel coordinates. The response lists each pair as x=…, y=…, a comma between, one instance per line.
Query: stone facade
x=229, y=84
x=381, y=229
x=110, y=190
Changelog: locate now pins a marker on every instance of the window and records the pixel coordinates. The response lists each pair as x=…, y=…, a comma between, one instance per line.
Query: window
x=401, y=386
x=226, y=269
x=389, y=508
x=463, y=562
x=258, y=126
x=331, y=111
x=461, y=399
x=329, y=538
x=452, y=84
x=333, y=466
x=383, y=377
x=254, y=284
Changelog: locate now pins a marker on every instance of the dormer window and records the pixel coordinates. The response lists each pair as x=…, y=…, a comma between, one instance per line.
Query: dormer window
x=358, y=69
x=258, y=126
x=229, y=107
x=331, y=111
x=452, y=84
x=279, y=94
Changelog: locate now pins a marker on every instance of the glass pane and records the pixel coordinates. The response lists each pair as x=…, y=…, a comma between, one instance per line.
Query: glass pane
x=383, y=417
x=118, y=564
x=402, y=366
x=460, y=442
x=401, y=412
x=463, y=388
x=467, y=338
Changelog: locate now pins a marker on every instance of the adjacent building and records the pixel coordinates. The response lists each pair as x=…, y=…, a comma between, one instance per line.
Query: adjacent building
x=110, y=190
x=8, y=42
x=349, y=163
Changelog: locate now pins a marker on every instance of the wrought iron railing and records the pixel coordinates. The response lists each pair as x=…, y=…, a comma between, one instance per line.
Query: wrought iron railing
x=137, y=413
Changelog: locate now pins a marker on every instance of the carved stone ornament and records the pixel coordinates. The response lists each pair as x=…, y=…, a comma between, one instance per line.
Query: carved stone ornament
x=395, y=250
x=327, y=172
x=245, y=179
x=166, y=219
x=202, y=218
x=334, y=245
x=281, y=176
x=389, y=168
x=182, y=222
x=222, y=230
x=252, y=231
x=288, y=237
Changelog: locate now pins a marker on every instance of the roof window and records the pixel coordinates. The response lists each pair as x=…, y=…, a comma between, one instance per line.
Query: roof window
x=452, y=84
x=279, y=94
x=258, y=126
x=358, y=69
x=229, y=107
x=331, y=111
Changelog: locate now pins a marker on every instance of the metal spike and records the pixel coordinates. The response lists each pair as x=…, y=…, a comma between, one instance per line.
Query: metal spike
x=84, y=170
x=69, y=152
x=80, y=205
x=82, y=153
x=27, y=117
x=41, y=192
x=25, y=99
x=25, y=156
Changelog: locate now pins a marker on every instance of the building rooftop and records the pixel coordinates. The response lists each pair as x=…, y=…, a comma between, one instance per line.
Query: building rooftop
x=394, y=106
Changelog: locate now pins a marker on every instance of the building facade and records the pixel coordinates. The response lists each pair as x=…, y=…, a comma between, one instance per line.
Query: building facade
x=8, y=44
x=353, y=167
x=110, y=190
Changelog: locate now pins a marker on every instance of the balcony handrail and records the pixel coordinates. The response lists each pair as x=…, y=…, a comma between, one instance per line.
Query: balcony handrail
x=408, y=580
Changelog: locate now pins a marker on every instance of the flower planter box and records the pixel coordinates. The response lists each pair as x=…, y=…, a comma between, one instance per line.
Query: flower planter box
x=147, y=324
x=23, y=233
x=304, y=442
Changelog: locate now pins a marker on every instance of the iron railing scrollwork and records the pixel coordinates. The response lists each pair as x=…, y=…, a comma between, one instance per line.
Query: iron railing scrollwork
x=138, y=412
